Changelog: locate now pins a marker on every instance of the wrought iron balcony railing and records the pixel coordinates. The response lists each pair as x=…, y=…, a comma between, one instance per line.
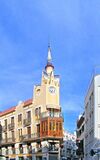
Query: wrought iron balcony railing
x=4, y=128
x=27, y=122
x=53, y=149
x=51, y=114
x=29, y=137
x=11, y=126
x=7, y=140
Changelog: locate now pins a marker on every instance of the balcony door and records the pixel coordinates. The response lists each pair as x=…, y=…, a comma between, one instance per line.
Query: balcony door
x=20, y=133
x=29, y=132
x=12, y=120
x=5, y=123
x=29, y=116
x=38, y=130
x=13, y=136
x=6, y=137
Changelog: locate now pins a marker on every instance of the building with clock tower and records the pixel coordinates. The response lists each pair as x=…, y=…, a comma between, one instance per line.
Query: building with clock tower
x=33, y=129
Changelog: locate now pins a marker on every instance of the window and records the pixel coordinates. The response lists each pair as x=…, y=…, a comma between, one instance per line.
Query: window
x=50, y=126
x=51, y=112
x=12, y=120
x=6, y=136
x=38, y=128
x=53, y=125
x=29, y=130
x=29, y=147
x=20, y=118
x=29, y=116
x=38, y=112
x=19, y=132
x=98, y=93
x=5, y=123
x=43, y=126
x=92, y=99
x=57, y=126
x=60, y=126
x=13, y=135
x=20, y=149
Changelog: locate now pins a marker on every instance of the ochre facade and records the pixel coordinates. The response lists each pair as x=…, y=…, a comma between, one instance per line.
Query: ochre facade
x=34, y=129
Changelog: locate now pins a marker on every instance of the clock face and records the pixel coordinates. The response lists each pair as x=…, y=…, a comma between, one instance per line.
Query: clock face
x=52, y=90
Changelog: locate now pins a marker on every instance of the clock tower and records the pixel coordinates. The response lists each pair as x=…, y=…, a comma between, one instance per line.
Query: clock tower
x=48, y=113
x=51, y=122
x=51, y=83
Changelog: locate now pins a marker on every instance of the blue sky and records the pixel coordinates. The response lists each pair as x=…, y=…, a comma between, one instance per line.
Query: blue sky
x=73, y=27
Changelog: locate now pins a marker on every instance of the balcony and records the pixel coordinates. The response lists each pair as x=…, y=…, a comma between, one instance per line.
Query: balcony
x=29, y=150
x=50, y=149
x=20, y=124
x=7, y=141
x=37, y=119
x=11, y=126
x=4, y=128
x=29, y=137
x=27, y=122
x=51, y=114
x=51, y=106
x=53, y=149
x=51, y=126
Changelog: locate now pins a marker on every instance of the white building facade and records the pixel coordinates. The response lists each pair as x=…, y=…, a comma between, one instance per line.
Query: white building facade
x=80, y=137
x=69, y=146
x=92, y=117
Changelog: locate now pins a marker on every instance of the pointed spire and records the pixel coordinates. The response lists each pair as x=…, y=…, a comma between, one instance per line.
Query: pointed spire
x=49, y=54
x=49, y=58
